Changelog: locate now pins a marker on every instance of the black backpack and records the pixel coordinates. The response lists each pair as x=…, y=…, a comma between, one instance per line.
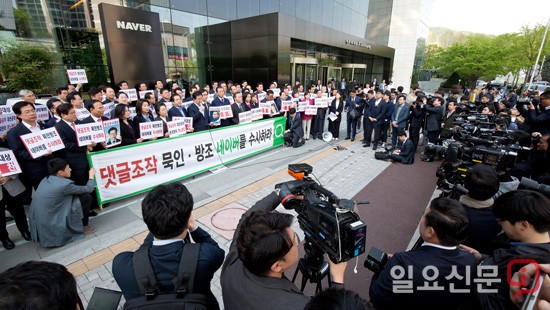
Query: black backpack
x=153, y=298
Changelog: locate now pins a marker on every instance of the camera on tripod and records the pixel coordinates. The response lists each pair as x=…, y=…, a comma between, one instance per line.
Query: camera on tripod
x=330, y=224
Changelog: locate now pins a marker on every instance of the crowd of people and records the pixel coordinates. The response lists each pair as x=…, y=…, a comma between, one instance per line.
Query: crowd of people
x=490, y=226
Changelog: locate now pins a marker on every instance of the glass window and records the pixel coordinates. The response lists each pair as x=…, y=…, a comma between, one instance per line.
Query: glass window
x=247, y=8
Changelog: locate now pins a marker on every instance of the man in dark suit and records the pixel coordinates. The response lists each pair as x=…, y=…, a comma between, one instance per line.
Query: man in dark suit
x=404, y=151
x=34, y=170
x=352, y=103
x=399, y=119
x=448, y=120
x=167, y=212
x=443, y=227
x=165, y=95
x=74, y=154
x=433, y=122
x=177, y=110
x=52, y=104
x=220, y=100
x=198, y=112
x=373, y=119
x=294, y=135
x=236, y=108
x=96, y=116
x=416, y=119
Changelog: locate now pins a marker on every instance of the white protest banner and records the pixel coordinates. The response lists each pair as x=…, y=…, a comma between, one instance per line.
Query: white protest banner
x=5, y=109
x=127, y=171
x=321, y=103
x=88, y=133
x=77, y=76
x=176, y=128
x=40, y=143
x=132, y=112
x=7, y=122
x=42, y=112
x=107, y=108
x=257, y=114
x=301, y=96
x=82, y=113
x=132, y=94
x=225, y=111
x=276, y=92
x=286, y=105
x=324, y=95
x=168, y=105
x=261, y=96
x=143, y=92
x=266, y=107
x=302, y=106
x=8, y=164
x=230, y=98
x=149, y=130
x=112, y=132
x=311, y=110
x=210, y=98
x=188, y=121
x=245, y=117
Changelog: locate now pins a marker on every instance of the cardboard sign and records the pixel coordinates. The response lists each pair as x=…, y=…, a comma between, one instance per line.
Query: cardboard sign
x=210, y=98
x=302, y=106
x=257, y=114
x=286, y=105
x=107, y=109
x=276, y=92
x=149, y=130
x=8, y=164
x=143, y=92
x=5, y=109
x=82, y=113
x=261, y=96
x=77, y=76
x=188, y=121
x=42, y=112
x=214, y=114
x=176, y=128
x=112, y=132
x=311, y=110
x=132, y=112
x=132, y=94
x=226, y=112
x=321, y=103
x=245, y=117
x=7, y=122
x=86, y=134
x=40, y=143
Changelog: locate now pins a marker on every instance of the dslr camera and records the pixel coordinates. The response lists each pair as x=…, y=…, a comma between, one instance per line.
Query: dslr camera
x=376, y=260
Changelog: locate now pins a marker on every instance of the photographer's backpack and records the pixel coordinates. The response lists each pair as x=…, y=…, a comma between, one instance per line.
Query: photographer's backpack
x=182, y=298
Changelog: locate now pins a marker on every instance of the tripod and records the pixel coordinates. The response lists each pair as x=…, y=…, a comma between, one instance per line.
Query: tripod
x=313, y=267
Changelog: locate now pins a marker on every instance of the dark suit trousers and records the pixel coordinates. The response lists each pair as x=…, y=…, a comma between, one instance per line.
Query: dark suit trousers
x=384, y=132
x=319, y=121
x=86, y=203
x=377, y=133
x=397, y=158
x=351, y=127
x=334, y=127
x=15, y=206
x=394, y=132
x=415, y=135
x=368, y=127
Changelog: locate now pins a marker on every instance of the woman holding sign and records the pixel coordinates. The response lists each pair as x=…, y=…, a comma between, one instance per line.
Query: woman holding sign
x=143, y=115
x=306, y=119
x=335, y=109
x=126, y=126
x=162, y=113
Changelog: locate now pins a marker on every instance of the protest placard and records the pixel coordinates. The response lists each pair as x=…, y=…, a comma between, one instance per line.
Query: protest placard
x=214, y=114
x=150, y=130
x=112, y=132
x=226, y=112
x=257, y=114
x=77, y=76
x=245, y=117
x=188, y=121
x=42, y=112
x=311, y=110
x=286, y=105
x=8, y=164
x=82, y=113
x=7, y=122
x=132, y=94
x=86, y=134
x=40, y=143
x=143, y=92
x=302, y=106
x=176, y=128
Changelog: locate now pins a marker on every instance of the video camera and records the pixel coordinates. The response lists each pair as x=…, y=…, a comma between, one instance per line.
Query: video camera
x=330, y=224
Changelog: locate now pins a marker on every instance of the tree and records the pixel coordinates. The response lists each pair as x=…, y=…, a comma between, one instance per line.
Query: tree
x=27, y=66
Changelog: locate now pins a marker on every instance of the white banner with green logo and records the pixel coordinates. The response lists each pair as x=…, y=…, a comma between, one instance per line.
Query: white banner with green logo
x=126, y=171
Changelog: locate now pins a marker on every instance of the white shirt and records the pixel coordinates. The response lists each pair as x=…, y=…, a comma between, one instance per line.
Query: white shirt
x=36, y=128
x=439, y=246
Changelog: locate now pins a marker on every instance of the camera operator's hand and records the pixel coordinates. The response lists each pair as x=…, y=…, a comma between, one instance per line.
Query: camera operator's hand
x=337, y=271
x=287, y=192
x=528, y=275
x=470, y=250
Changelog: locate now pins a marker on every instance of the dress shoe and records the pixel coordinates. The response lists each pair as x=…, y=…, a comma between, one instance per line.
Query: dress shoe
x=428, y=160
x=93, y=213
x=8, y=244
x=26, y=235
x=374, y=147
x=314, y=137
x=367, y=144
x=352, y=139
x=347, y=138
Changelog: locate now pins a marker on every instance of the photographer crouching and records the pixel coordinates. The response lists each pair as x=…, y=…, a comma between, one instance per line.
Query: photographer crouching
x=403, y=282
x=264, y=247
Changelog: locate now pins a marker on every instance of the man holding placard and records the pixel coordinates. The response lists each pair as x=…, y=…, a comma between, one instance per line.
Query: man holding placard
x=34, y=170
x=198, y=112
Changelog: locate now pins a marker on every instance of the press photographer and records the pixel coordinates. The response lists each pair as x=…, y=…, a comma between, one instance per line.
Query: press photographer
x=265, y=246
x=401, y=284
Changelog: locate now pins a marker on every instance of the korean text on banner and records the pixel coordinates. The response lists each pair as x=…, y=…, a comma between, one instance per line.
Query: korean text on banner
x=7, y=122
x=40, y=143
x=149, y=130
x=8, y=164
x=86, y=134
x=130, y=170
x=77, y=76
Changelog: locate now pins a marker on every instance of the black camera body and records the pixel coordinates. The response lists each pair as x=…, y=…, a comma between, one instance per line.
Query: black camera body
x=376, y=260
x=330, y=224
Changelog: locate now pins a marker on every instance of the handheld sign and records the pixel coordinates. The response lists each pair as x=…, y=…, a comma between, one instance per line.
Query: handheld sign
x=176, y=128
x=107, y=108
x=40, y=143
x=321, y=103
x=143, y=92
x=8, y=164
x=149, y=130
x=7, y=122
x=257, y=114
x=132, y=112
x=302, y=106
x=132, y=94
x=88, y=133
x=188, y=121
x=286, y=105
x=112, y=132
x=226, y=112
x=214, y=114
x=82, y=113
x=77, y=76
x=245, y=117
x=311, y=110
x=42, y=112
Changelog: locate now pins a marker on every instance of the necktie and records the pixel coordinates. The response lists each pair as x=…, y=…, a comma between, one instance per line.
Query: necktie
x=73, y=126
x=99, y=119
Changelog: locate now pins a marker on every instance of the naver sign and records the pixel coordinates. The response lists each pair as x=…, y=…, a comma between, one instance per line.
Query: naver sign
x=133, y=26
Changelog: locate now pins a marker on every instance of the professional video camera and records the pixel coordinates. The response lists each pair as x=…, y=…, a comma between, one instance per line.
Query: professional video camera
x=532, y=184
x=329, y=223
x=376, y=260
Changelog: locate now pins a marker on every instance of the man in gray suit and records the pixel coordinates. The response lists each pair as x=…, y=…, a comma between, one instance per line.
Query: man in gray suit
x=59, y=209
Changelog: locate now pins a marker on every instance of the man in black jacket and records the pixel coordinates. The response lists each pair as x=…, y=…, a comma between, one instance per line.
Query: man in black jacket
x=294, y=135
x=433, y=122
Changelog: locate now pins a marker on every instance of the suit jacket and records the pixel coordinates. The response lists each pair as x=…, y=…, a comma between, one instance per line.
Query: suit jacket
x=51, y=122
x=33, y=169
x=174, y=111
x=164, y=125
x=390, y=107
x=401, y=119
x=55, y=214
x=165, y=260
x=236, y=109
x=217, y=103
x=447, y=124
x=416, y=118
x=332, y=108
x=433, y=120
x=296, y=126
x=407, y=152
x=381, y=289
x=241, y=289
x=200, y=121
x=140, y=119
x=129, y=136
x=378, y=112
x=350, y=104
x=74, y=154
